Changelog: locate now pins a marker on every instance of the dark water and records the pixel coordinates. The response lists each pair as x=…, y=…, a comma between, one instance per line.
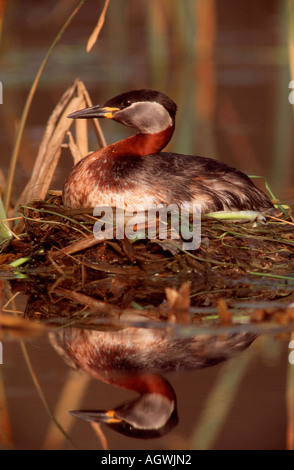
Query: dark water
x=230, y=81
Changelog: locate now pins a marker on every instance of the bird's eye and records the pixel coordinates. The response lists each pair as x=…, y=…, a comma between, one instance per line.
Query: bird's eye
x=126, y=103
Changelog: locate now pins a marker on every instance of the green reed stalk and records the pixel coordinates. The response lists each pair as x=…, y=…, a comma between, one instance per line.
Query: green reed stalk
x=4, y=232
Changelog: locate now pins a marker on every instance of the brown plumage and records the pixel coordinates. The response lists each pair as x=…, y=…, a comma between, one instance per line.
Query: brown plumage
x=136, y=168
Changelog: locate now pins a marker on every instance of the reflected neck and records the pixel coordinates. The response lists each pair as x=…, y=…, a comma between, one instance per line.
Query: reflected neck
x=142, y=383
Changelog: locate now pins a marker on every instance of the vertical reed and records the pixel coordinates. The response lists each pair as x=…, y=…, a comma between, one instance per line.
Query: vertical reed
x=27, y=106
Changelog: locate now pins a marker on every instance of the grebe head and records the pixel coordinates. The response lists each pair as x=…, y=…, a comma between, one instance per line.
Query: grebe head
x=149, y=416
x=147, y=111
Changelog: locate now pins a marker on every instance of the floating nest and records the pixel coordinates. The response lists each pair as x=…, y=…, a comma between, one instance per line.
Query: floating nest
x=58, y=261
x=55, y=259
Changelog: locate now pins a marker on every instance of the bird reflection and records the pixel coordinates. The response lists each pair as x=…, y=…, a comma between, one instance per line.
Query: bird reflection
x=135, y=359
x=153, y=414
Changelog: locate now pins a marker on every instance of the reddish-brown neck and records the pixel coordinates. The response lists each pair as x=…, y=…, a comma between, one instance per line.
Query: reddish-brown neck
x=141, y=383
x=142, y=144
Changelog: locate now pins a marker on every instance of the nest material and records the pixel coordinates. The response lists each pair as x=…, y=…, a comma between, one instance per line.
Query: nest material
x=235, y=261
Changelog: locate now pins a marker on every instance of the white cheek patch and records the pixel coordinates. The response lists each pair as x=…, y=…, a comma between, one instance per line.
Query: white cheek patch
x=147, y=117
